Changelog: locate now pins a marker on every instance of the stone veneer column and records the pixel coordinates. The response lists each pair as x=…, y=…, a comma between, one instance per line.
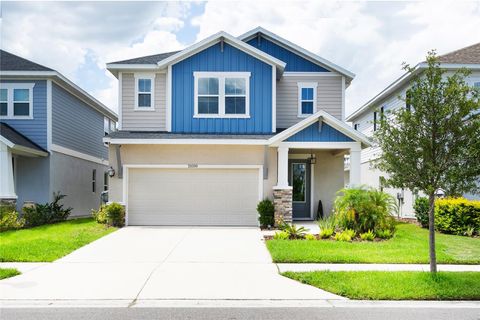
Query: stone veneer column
x=282, y=201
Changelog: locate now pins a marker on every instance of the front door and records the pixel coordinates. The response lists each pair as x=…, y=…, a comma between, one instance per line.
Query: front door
x=299, y=178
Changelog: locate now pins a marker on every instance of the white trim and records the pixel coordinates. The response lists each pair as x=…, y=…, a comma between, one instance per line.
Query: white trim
x=189, y=141
x=227, y=38
x=120, y=100
x=168, y=112
x=49, y=114
x=307, y=85
x=310, y=74
x=145, y=76
x=11, y=87
x=291, y=46
x=62, y=81
x=274, y=99
x=126, y=168
x=343, y=99
x=221, y=76
x=321, y=145
x=76, y=154
x=22, y=149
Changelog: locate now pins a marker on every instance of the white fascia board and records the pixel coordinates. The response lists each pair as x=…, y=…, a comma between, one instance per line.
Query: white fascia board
x=321, y=145
x=328, y=119
x=129, y=66
x=188, y=141
x=61, y=79
x=303, y=52
x=22, y=149
x=207, y=42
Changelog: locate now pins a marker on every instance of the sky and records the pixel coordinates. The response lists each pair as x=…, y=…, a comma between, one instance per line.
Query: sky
x=369, y=38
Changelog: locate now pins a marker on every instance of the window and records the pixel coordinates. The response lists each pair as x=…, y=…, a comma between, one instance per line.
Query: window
x=113, y=126
x=94, y=180
x=16, y=100
x=222, y=94
x=408, y=105
x=3, y=102
x=106, y=126
x=476, y=85
x=299, y=182
x=356, y=126
x=105, y=181
x=144, y=92
x=307, y=99
x=375, y=121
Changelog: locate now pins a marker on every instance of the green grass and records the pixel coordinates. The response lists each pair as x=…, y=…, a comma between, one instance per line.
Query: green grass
x=409, y=245
x=49, y=242
x=7, y=273
x=382, y=285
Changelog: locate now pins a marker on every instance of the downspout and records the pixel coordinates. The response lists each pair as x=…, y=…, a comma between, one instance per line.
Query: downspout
x=119, y=161
x=265, y=162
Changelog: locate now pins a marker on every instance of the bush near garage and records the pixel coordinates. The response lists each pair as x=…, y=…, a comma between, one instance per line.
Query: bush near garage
x=112, y=214
x=9, y=218
x=457, y=216
x=266, y=210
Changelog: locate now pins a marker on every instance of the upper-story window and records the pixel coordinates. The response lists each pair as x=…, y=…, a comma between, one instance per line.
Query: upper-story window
x=144, y=93
x=375, y=121
x=356, y=126
x=222, y=94
x=476, y=84
x=16, y=100
x=307, y=98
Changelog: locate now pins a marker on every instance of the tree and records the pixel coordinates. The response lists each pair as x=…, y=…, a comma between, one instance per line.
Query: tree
x=434, y=142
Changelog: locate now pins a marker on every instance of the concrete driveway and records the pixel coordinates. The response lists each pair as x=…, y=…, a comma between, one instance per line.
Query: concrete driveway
x=154, y=263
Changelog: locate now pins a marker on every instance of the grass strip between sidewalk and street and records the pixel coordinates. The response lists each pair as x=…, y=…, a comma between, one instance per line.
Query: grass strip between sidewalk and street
x=396, y=285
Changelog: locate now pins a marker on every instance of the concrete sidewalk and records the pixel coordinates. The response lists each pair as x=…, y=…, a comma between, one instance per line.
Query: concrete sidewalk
x=304, y=267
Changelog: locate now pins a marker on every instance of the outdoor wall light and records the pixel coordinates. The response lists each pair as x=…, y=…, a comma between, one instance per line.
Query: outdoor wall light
x=111, y=172
x=312, y=159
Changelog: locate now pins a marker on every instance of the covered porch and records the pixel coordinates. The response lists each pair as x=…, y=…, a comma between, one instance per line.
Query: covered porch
x=310, y=166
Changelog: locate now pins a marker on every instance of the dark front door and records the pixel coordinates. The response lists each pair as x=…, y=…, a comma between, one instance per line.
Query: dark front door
x=299, y=179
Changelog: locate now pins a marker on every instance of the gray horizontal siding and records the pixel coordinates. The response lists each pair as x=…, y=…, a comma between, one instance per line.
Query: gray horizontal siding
x=75, y=125
x=329, y=97
x=143, y=120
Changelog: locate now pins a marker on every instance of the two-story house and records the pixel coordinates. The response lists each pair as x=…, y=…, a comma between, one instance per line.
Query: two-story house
x=365, y=119
x=51, y=135
x=207, y=132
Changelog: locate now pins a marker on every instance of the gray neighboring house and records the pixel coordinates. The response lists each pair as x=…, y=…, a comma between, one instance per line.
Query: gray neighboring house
x=50, y=137
x=364, y=119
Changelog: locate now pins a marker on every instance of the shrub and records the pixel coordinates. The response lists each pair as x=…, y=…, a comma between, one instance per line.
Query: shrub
x=310, y=237
x=9, y=219
x=421, y=211
x=368, y=236
x=112, y=214
x=346, y=235
x=40, y=214
x=326, y=233
x=362, y=209
x=384, y=234
x=293, y=231
x=266, y=211
x=326, y=223
x=457, y=216
x=100, y=215
x=282, y=235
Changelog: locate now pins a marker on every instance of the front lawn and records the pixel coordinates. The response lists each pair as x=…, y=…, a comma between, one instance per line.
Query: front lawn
x=7, y=273
x=409, y=245
x=382, y=285
x=49, y=242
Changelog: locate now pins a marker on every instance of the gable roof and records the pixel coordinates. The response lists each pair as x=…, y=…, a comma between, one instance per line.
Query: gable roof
x=468, y=57
x=231, y=40
x=11, y=62
x=151, y=59
x=17, y=141
x=328, y=119
x=298, y=50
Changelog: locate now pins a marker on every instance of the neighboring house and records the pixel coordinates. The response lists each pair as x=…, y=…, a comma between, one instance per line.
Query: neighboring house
x=50, y=137
x=207, y=132
x=365, y=119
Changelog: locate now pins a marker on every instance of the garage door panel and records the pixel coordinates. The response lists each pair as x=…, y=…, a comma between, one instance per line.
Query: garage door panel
x=193, y=196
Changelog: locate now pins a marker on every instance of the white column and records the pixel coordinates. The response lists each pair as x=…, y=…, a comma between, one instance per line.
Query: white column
x=7, y=188
x=355, y=156
x=282, y=168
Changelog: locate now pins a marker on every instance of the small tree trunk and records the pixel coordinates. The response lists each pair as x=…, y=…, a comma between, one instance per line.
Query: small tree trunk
x=431, y=229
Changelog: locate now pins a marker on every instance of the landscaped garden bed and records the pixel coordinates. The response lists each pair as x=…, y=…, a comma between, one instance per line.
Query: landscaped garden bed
x=382, y=285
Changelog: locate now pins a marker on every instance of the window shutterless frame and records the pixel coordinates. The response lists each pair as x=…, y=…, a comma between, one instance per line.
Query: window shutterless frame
x=222, y=76
x=145, y=76
x=313, y=99
x=17, y=95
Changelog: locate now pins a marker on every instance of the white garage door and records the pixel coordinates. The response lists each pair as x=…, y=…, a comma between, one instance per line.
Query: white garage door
x=211, y=197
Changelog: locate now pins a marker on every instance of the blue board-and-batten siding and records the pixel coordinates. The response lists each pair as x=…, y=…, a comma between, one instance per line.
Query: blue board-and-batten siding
x=76, y=125
x=312, y=133
x=295, y=63
x=35, y=129
x=230, y=60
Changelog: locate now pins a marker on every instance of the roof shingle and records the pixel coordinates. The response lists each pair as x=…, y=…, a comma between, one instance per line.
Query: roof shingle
x=11, y=62
x=153, y=59
x=467, y=55
x=17, y=138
